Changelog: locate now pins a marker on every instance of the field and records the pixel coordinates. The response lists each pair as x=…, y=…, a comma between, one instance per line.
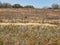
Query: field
x=28, y=15
x=29, y=26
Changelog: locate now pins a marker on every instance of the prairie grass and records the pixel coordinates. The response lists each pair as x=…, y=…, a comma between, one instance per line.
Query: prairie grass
x=30, y=35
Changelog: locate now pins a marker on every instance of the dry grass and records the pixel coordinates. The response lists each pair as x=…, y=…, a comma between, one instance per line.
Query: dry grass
x=28, y=15
x=29, y=27
x=30, y=35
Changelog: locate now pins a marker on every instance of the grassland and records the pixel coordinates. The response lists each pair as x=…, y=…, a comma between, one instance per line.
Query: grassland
x=29, y=27
x=28, y=15
x=30, y=35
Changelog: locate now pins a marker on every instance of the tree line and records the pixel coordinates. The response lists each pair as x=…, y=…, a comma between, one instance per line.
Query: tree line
x=8, y=5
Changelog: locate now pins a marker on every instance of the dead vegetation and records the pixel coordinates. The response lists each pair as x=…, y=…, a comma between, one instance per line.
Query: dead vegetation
x=29, y=27
x=28, y=15
x=30, y=35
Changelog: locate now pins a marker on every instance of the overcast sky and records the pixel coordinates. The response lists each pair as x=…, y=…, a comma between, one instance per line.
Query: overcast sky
x=35, y=3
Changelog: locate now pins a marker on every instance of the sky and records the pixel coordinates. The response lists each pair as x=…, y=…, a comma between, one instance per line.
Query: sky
x=35, y=3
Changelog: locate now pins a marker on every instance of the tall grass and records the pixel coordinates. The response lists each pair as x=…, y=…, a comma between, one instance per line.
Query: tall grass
x=30, y=35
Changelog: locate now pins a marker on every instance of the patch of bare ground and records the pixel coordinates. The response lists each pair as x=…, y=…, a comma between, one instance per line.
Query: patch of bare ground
x=27, y=24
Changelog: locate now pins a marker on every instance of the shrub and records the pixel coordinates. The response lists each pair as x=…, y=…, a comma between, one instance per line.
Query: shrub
x=29, y=6
x=6, y=5
x=55, y=6
x=17, y=6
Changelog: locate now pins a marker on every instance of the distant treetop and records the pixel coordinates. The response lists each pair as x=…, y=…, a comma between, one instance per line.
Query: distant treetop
x=17, y=6
x=8, y=5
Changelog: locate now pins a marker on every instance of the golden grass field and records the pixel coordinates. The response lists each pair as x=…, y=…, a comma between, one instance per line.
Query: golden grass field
x=29, y=26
